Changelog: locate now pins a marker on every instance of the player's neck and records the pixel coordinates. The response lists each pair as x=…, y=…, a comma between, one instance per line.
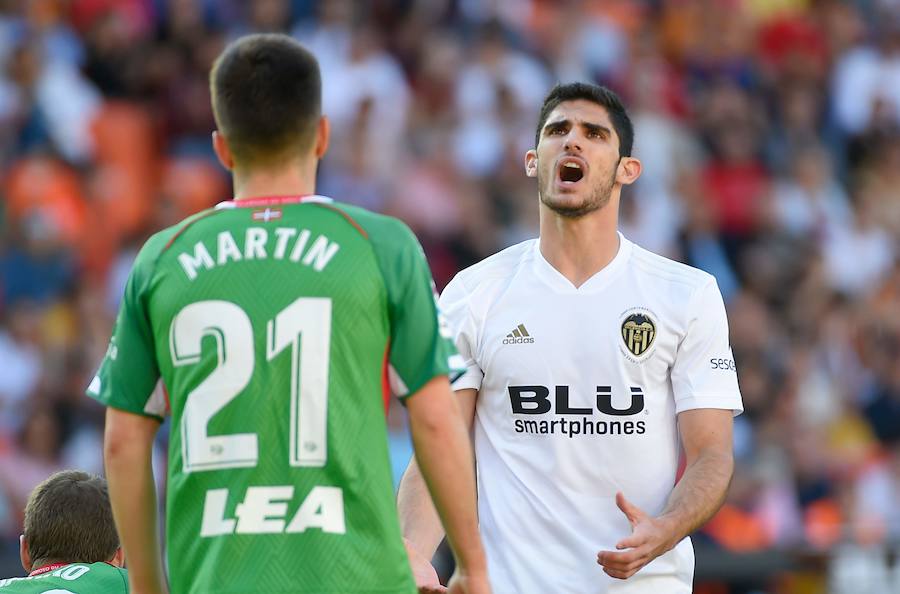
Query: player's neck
x=580, y=247
x=44, y=563
x=294, y=179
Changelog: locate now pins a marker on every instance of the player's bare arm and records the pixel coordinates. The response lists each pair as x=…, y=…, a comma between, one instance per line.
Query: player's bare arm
x=419, y=520
x=707, y=438
x=128, y=447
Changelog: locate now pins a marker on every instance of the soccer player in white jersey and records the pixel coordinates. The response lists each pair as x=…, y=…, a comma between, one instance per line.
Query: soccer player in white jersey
x=591, y=363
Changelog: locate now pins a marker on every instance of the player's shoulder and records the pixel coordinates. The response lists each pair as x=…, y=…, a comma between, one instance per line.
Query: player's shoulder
x=113, y=575
x=154, y=248
x=109, y=569
x=500, y=267
x=164, y=239
x=665, y=271
x=378, y=228
x=395, y=247
x=96, y=577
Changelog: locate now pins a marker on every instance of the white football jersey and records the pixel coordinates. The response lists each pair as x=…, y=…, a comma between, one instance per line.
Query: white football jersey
x=579, y=389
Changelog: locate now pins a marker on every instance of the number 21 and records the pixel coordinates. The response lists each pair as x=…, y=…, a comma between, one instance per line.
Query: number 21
x=304, y=326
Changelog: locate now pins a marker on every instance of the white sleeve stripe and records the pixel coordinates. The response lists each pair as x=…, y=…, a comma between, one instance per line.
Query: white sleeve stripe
x=721, y=401
x=96, y=386
x=472, y=378
x=156, y=403
x=398, y=386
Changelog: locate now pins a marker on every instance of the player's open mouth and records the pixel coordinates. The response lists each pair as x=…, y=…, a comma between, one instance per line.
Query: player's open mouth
x=571, y=170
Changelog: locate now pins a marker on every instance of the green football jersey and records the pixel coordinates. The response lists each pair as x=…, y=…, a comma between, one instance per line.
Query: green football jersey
x=74, y=578
x=273, y=331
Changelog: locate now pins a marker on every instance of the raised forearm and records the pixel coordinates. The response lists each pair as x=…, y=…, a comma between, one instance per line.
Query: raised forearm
x=695, y=498
x=699, y=494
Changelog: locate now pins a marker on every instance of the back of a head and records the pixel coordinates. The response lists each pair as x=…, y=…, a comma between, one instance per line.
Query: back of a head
x=68, y=519
x=267, y=98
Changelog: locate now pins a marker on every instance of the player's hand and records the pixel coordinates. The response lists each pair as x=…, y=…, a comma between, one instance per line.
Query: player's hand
x=469, y=584
x=425, y=576
x=650, y=538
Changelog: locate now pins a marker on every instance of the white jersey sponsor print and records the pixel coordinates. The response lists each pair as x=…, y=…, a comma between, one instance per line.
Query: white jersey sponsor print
x=579, y=389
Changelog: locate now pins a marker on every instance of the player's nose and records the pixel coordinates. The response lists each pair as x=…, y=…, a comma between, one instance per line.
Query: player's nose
x=572, y=143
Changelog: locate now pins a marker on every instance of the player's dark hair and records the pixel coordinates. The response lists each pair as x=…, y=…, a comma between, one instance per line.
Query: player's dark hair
x=68, y=519
x=603, y=97
x=266, y=96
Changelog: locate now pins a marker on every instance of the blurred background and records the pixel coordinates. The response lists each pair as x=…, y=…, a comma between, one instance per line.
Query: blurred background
x=770, y=136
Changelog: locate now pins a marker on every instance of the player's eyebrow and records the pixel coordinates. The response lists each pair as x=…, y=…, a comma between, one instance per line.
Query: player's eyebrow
x=597, y=128
x=588, y=126
x=555, y=125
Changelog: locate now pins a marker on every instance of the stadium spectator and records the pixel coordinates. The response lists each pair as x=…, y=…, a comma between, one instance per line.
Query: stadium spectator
x=32, y=457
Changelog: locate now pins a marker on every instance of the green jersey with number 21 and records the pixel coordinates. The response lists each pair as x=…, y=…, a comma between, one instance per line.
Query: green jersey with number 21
x=273, y=330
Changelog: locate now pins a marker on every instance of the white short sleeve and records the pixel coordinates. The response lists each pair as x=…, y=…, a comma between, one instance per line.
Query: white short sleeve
x=704, y=374
x=454, y=305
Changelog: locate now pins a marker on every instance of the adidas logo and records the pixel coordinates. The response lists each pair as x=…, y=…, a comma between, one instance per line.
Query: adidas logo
x=518, y=336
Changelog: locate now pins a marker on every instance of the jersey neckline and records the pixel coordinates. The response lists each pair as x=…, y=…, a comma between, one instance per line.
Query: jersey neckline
x=256, y=202
x=600, y=280
x=47, y=569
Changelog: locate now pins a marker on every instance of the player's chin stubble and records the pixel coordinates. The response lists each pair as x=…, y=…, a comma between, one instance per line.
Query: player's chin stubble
x=596, y=200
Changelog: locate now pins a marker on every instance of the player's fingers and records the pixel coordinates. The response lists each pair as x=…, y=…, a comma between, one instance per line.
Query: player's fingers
x=629, y=562
x=618, y=559
x=627, y=567
x=632, y=541
x=635, y=565
x=609, y=558
x=631, y=511
x=437, y=589
x=615, y=573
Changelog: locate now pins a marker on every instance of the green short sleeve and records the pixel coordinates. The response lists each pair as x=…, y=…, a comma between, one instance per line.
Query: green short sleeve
x=129, y=376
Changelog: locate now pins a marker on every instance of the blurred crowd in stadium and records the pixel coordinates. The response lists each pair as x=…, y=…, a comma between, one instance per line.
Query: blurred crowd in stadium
x=769, y=132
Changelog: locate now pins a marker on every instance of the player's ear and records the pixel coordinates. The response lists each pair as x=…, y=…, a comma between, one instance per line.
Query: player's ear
x=223, y=153
x=119, y=558
x=628, y=171
x=531, y=163
x=323, y=135
x=24, y=554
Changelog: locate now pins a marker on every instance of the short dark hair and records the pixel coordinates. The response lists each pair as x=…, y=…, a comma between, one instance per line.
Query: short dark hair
x=266, y=94
x=603, y=97
x=68, y=519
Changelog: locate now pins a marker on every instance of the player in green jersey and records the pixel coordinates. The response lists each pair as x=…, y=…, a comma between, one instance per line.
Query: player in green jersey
x=70, y=545
x=272, y=329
